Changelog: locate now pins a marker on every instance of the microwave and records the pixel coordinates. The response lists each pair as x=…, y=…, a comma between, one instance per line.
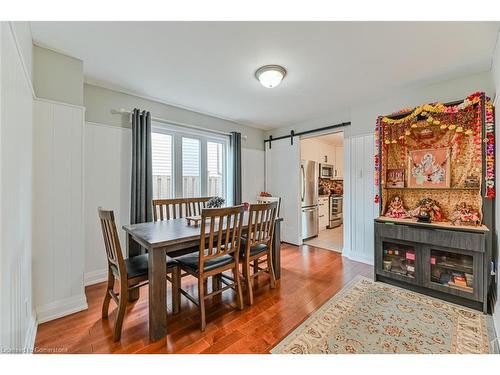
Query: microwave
x=326, y=171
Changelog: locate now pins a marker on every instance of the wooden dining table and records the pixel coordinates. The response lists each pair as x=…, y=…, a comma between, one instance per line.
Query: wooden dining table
x=162, y=237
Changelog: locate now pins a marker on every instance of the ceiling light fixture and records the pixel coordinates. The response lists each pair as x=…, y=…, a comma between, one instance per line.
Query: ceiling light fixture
x=270, y=75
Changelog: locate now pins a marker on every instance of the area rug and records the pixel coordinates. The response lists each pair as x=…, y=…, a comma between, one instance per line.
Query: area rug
x=373, y=317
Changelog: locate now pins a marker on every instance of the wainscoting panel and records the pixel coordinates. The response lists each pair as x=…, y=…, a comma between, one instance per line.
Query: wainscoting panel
x=359, y=207
x=58, y=233
x=107, y=184
x=17, y=320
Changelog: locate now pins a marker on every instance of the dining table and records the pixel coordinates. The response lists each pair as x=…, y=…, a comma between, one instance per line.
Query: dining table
x=162, y=237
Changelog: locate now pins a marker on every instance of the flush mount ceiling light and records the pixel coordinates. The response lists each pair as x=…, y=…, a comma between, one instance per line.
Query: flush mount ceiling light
x=270, y=75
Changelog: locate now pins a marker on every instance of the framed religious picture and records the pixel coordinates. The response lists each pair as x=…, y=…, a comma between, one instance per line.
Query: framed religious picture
x=395, y=178
x=429, y=168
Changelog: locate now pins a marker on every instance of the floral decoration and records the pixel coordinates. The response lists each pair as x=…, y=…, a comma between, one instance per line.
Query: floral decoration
x=430, y=122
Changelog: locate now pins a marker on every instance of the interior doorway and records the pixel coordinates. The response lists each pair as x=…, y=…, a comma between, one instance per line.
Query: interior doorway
x=322, y=190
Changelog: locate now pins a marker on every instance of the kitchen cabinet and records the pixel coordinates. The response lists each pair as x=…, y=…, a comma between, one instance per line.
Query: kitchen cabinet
x=309, y=150
x=327, y=153
x=339, y=162
x=323, y=207
x=323, y=153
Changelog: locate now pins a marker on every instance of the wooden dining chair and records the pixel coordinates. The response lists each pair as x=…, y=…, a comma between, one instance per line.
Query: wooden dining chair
x=256, y=245
x=177, y=208
x=218, y=252
x=131, y=273
x=270, y=200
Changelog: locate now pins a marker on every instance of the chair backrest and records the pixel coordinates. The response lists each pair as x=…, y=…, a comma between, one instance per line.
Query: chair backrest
x=269, y=200
x=112, y=242
x=166, y=209
x=261, y=219
x=224, y=232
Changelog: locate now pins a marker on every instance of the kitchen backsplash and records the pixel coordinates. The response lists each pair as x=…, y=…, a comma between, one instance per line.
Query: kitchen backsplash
x=327, y=187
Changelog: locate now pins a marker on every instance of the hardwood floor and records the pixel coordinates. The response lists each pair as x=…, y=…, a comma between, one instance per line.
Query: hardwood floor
x=309, y=277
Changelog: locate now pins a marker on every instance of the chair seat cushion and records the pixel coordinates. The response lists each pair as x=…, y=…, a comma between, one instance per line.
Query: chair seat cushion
x=138, y=265
x=254, y=250
x=191, y=261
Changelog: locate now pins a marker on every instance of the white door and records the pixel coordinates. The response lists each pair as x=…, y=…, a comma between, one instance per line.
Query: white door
x=283, y=180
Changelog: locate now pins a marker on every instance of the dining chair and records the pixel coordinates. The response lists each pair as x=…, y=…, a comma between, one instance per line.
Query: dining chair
x=177, y=208
x=261, y=199
x=218, y=252
x=256, y=245
x=131, y=273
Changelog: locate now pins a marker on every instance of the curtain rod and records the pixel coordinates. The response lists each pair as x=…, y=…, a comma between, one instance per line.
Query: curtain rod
x=123, y=111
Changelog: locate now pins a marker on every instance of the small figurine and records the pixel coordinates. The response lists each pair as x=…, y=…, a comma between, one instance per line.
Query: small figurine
x=396, y=208
x=465, y=215
x=427, y=210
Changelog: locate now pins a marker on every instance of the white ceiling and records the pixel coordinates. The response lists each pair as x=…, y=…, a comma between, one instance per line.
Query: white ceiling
x=209, y=66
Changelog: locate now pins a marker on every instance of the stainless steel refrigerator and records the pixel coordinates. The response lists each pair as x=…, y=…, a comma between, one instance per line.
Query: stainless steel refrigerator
x=309, y=198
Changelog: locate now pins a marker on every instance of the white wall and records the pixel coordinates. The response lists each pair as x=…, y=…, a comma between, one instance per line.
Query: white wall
x=57, y=76
x=99, y=102
x=108, y=154
x=17, y=320
x=58, y=241
x=252, y=173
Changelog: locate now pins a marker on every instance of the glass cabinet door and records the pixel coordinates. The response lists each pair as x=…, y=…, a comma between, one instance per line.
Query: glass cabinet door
x=399, y=260
x=452, y=270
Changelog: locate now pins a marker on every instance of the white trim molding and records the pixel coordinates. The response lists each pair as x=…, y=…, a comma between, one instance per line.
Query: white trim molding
x=58, y=309
x=95, y=277
x=29, y=343
x=27, y=74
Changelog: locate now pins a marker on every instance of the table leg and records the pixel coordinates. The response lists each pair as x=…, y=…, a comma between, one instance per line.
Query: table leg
x=277, y=250
x=157, y=294
x=133, y=295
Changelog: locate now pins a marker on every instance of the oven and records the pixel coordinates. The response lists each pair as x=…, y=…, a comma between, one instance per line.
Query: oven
x=335, y=211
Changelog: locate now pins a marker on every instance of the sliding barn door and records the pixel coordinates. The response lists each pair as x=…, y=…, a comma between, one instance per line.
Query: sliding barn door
x=283, y=180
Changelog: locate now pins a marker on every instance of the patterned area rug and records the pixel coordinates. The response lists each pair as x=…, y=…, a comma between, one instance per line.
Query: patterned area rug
x=369, y=317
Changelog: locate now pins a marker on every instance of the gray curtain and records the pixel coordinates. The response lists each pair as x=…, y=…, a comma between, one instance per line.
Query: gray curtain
x=142, y=172
x=235, y=144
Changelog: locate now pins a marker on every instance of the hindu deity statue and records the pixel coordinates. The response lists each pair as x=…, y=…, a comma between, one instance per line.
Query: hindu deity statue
x=396, y=208
x=427, y=210
x=465, y=215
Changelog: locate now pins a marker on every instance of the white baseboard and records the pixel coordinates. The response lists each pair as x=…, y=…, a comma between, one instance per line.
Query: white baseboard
x=61, y=308
x=360, y=259
x=29, y=342
x=95, y=277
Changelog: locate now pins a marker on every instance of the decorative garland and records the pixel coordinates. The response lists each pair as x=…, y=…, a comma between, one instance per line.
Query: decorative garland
x=391, y=131
x=376, y=178
x=490, y=152
x=435, y=108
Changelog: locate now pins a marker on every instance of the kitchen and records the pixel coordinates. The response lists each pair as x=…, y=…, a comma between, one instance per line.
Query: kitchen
x=322, y=171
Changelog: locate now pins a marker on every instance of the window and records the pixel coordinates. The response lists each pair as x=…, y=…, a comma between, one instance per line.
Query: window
x=190, y=167
x=188, y=164
x=163, y=183
x=215, y=167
